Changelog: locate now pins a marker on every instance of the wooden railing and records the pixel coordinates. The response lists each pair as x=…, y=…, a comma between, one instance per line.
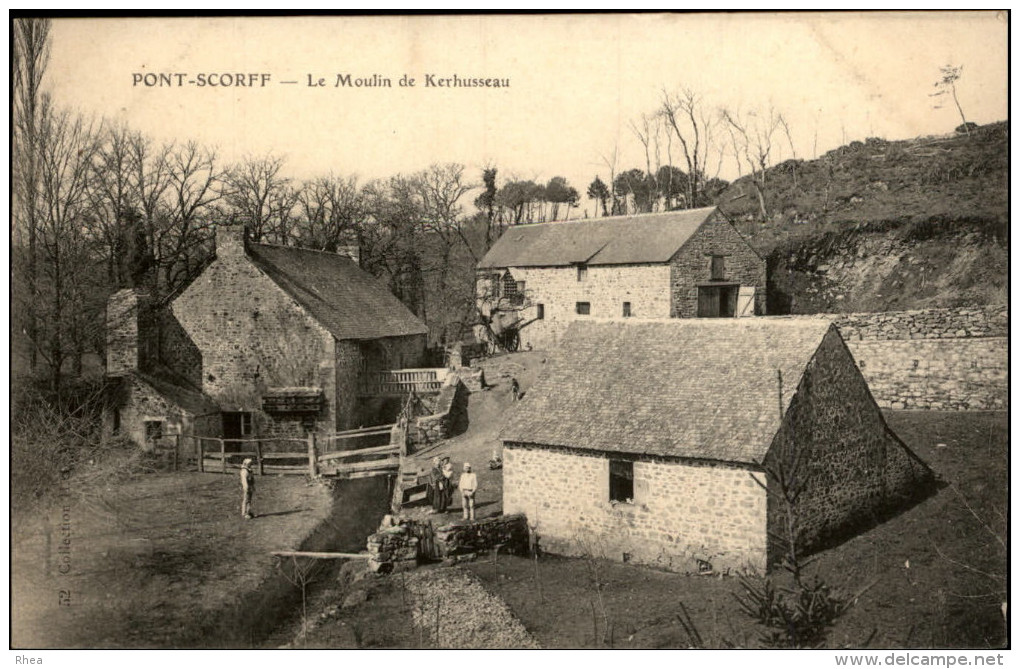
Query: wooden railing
x=342, y=454
x=400, y=382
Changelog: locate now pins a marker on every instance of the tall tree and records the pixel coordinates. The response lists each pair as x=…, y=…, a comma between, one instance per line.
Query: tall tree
x=30, y=50
x=332, y=209
x=693, y=126
x=598, y=191
x=486, y=201
x=67, y=142
x=946, y=85
x=557, y=192
x=262, y=197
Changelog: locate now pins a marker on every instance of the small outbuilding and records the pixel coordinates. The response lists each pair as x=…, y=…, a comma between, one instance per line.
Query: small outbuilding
x=674, y=442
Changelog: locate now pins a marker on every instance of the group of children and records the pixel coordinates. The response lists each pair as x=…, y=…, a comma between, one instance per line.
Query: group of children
x=441, y=487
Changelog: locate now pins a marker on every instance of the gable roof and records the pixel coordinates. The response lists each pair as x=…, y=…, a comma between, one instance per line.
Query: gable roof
x=617, y=240
x=346, y=300
x=695, y=388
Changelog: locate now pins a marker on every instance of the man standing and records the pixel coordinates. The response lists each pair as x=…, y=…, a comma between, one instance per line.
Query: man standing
x=436, y=482
x=247, y=489
x=468, y=485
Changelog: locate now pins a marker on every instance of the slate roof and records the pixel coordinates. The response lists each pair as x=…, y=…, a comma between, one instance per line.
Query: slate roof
x=617, y=240
x=346, y=300
x=695, y=388
x=182, y=396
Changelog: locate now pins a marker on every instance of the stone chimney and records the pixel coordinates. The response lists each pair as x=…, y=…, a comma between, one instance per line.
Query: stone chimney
x=123, y=318
x=230, y=240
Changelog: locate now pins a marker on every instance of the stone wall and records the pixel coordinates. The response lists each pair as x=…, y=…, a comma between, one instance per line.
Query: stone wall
x=176, y=350
x=988, y=321
x=683, y=511
x=253, y=335
x=509, y=533
x=693, y=265
x=939, y=374
x=138, y=402
x=835, y=443
x=942, y=359
x=605, y=288
x=450, y=417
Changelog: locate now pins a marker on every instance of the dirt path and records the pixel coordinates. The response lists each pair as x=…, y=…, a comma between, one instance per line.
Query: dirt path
x=151, y=562
x=454, y=610
x=486, y=411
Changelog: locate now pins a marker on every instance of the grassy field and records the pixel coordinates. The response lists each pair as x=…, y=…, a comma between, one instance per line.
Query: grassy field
x=157, y=561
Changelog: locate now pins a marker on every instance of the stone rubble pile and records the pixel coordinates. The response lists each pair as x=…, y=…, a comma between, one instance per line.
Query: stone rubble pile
x=453, y=610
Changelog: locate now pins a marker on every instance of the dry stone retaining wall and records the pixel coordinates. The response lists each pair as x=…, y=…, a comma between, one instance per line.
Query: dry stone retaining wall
x=943, y=359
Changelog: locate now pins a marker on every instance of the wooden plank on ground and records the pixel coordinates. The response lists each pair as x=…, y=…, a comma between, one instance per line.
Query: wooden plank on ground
x=322, y=556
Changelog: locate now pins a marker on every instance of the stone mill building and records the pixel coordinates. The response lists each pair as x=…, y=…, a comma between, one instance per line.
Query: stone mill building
x=670, y=442
x=538, y=278
x=267, y=340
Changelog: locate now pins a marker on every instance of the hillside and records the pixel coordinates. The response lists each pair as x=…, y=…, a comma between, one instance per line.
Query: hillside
x=879, y=225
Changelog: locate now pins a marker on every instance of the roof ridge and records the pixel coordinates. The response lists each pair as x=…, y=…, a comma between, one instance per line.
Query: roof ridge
x=606, y=219
x=304, y=248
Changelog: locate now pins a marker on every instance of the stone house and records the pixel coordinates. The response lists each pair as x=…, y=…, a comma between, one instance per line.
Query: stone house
x=670, y=442
x=537, y=279
x=267, y=340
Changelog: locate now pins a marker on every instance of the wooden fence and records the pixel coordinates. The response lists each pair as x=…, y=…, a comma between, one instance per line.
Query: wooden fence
x=351, y=454
x=400, y=382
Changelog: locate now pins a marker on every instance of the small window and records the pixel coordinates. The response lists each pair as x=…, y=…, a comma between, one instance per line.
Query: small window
x=116, y=420
x=246, y=424
x=621, y=481
x=153, y=430
x=582, y=272
x=541, y=311
x=626, y=309
x=718, y=268
x=583, y=308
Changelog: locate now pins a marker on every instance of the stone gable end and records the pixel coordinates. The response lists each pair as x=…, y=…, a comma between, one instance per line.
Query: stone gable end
x=691, y=265
x=853, y=468
x=253, y=335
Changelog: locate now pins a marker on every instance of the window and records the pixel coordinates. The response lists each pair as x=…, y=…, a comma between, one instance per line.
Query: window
x=541, y=312
x=153, y=430
x=520, y=287
x=582, y=272
x=626, y=309
x=718, y=268
x=621, y=481
x=116, y=420
x=583, y=308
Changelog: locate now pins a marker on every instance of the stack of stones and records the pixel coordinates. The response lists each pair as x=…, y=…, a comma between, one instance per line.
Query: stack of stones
x=508, y=533
x=392, y=549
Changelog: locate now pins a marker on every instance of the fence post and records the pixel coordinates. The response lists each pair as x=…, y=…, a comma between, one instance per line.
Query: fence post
x=223, y=455
x=258, y=456
x=313, y=456
x=199, y=446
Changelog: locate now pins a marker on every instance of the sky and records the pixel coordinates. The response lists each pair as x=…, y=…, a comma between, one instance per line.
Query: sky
x=576, y=83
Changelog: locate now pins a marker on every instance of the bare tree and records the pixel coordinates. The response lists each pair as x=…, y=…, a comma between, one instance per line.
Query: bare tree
x=611, y=160
x=29, y=57
x=68, y=142
x=752, y=134
x=685, y=114
x=331, y=211
x=262, y=197
x=195, y=187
